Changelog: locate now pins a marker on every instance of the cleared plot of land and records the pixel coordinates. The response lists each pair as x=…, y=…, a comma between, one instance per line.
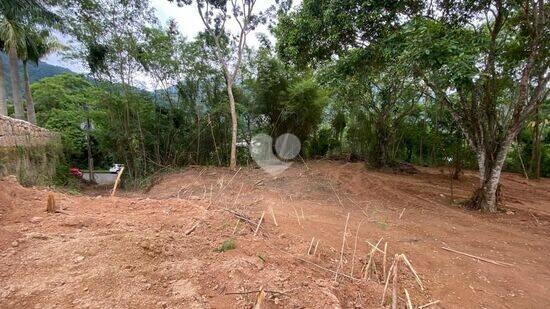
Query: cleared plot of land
x=158, y=249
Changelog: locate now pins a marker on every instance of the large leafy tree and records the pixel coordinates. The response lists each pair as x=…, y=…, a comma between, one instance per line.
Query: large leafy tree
x=370, y=82
x=353, y=37
x=322, y=29
x=285, y=100
x=488, y=66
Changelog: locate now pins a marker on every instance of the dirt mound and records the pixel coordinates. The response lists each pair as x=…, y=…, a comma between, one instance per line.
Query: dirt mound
x=165, y=248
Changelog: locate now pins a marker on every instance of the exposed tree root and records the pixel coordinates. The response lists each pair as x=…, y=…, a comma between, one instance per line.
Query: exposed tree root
x=477, y=200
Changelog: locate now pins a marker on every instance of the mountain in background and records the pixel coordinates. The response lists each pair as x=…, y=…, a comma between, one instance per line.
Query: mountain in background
x=36, y=72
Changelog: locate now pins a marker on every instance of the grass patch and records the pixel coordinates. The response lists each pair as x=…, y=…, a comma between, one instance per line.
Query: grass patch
x=227, y=245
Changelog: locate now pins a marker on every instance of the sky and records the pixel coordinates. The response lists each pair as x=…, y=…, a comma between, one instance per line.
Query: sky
x=189, y=22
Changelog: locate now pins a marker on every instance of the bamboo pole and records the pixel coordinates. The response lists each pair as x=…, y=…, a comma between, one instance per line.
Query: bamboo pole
x=259, y=223
x=113, y=192
x=342, y=250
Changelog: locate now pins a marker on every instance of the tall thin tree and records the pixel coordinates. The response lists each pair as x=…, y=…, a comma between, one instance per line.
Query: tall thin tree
x=229, y=48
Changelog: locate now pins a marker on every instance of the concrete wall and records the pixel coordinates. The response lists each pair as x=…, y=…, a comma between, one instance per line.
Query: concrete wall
x=101, y=178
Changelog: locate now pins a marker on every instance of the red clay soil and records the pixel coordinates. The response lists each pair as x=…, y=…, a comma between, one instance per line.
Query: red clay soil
x=140, y=250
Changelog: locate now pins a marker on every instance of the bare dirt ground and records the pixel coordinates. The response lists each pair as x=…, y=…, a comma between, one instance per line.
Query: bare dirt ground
x=140, y=250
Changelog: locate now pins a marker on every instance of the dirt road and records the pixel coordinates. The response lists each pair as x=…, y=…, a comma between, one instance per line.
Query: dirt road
x=158, y=249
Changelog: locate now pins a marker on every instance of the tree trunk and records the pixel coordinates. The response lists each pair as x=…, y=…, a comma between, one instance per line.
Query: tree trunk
x=3, y=102
x=536, y=151
x=486, y=197
x=16, y=92
x=31, y=114
x=233, y=157
x=198, y=136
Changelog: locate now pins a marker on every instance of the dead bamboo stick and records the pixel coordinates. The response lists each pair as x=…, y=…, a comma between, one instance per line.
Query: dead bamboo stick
x=386, y=284
x=238, y=195
x=409, y=302
x=310, y=246
x=374, y=247
x=429, y=304
x=297, y=216
x=337, y=196
x=384, y=261
x=113, y=192
x=355, y=247
x=190, y=230
x=342, y=250
x=259, y=223
x=236, y=225
x=273, y=216
x=316, y=245
x=370, y=258
x=210, y=202
x=478, y=258
x=395, y=277
x=416, y=277
x=402, y=212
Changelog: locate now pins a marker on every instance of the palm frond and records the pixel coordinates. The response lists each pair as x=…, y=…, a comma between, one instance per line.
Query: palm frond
x=28, y=9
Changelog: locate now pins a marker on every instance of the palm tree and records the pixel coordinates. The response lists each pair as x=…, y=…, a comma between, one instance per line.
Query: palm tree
x=12, y=35
x=38, y=45
x=3, y=103
x=14, y=15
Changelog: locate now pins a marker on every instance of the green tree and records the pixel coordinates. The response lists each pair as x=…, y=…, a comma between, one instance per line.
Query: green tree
x=16, y=20
x=229, y=48
x=490, y=75
x=38, y=45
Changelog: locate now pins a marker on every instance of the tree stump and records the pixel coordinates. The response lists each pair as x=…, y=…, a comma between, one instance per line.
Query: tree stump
x=51, y=204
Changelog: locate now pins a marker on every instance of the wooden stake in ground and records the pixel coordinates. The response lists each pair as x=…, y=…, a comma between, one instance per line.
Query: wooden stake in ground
x=478, y=258
x=402, y=212
x=316, y=245
x=355, y=247
x=342, y=250
x=273, y=216
x=374, y=249
x=395, y=277
x=51, y=203
x=210, y=201
x=117, y=181
x=387, y=282
x=297, y=216
x=259, y=223
x=310, y=246
x=260, y=299
x=384, y=261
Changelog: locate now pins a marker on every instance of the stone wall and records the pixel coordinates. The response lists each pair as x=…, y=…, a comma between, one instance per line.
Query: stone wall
x=30, y=152
x=15, y=132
